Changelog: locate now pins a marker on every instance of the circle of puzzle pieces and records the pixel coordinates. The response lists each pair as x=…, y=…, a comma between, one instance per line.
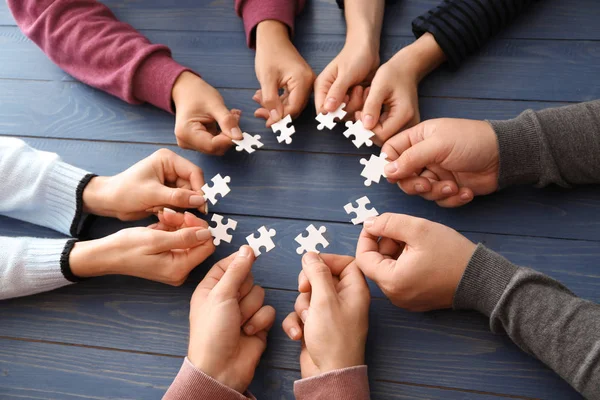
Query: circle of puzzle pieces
x=374, y=168
x=361, y=135
x=286, y=131
x=265, y=239
x=327, y=120
x=220, y=186
x=362, y=213
x=249, y=143
x=219, y=232
x=310, y=242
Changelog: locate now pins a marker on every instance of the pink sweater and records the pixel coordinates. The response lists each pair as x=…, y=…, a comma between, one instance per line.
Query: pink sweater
x=84, y=38
x=344, y=384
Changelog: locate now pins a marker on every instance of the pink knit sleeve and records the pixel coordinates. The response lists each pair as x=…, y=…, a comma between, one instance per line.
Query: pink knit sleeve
x=192, y=384
x=255, y=11
x=84, y=38
x=343, y=384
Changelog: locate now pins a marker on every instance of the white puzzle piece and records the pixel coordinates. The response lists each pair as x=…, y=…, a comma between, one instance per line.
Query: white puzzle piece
x=249, y=143
x=219, y=187
x=362, y=213
x=265, y=240
x=286, y=132
x=219, y=232
x=361, y=135
x=374, y=168
x=314, y=238
x=328, y=120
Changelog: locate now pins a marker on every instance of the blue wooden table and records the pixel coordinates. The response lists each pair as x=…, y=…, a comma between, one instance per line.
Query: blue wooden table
x=123, y=338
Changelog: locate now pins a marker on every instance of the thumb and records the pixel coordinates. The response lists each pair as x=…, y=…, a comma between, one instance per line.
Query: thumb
x=399, y=227
x=228, y=122
x=185, y=238
x=238, y=269
x=179, y=198
x=337, y=93
x=271, y=100
x=319, y=276
x=372, y=108
x=415, y=158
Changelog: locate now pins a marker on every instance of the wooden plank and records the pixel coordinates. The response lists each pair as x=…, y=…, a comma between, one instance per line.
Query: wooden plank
x=317, y=186
x=506, y=69
x=576, y=19
x=76, y=111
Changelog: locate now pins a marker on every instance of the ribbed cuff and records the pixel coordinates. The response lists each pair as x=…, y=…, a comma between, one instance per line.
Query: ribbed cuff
x=61, y=195
x=452, y=51
x=254, y=12
x=192, y=384
x=520, y=147
x=343, y=384
x=65, y=264
x=154, y=80
x=78, y=219
x=484, y=281
x=43, y=261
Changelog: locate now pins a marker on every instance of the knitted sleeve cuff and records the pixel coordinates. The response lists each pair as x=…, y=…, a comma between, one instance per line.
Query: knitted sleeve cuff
x=347, y=383
x=443, y=33
x=483, y=281
x=254, y=12
x=65, y=265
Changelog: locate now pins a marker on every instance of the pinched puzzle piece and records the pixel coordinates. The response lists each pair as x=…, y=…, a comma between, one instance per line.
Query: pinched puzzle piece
x=328, y=120
x=249, y=143
x=220, y=231
x=264, y=240
x=219, y=187
x=286, y=132
x=361, y=135
x=314, y=238
x=374, y=168
x=362, y=213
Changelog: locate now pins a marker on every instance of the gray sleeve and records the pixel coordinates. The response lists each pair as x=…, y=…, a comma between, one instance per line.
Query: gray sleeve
x=555, y=145
x=539, y=314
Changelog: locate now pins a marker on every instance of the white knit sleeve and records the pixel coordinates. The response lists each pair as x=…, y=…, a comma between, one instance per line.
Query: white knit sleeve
x=37, y=187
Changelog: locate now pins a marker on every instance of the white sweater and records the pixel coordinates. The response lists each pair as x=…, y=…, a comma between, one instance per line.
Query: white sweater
x=36, y=187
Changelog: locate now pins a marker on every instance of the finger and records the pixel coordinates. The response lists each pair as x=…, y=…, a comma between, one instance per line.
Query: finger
x=414, y=159
x=247, y=286
x=252, y=302
x=176, y=166
x=185, y=238
x=390, y=247
x=180, y=198
x=262, y=113
x=441, y=190
x=292, y=326
x=214, y=275
x=355, y=100
x=336, y=264
x=297, y=100
x=415, y=185
x=373, y=104
x=270, y=99
x=337, y=92
x=302, y=304
x=394, y=120
x=322, y=85
x=464, y=196
x=228, y=122
x=190, y=220
x=303, y=283
x=171, y=218
x=205, y=142
x=197, y=255
x=257, y=97
x=236, y=273
x=262, y=320
x=319, y=276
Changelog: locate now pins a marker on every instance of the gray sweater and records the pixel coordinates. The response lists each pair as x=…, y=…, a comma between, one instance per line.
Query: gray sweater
x=544, y=318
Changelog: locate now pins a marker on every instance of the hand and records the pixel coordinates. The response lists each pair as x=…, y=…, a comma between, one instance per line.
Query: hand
x=445, y=160
x=163, y=255
x=395, y=89
x=199, y=108
x=280, y=66
x=418, y=264
x=161, y=180
x=226, y=300
x=333, y=308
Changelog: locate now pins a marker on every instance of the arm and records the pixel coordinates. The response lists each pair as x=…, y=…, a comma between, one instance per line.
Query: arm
x=85, y=39
x=555, y=145
x=463, y=27
x=539, y=314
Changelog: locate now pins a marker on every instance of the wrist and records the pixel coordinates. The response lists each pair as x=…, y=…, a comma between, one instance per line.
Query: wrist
x=179, y=93
x=223, y=377
x=270, y=32
x=86, y=259
x=96, y=199
x=421, y=57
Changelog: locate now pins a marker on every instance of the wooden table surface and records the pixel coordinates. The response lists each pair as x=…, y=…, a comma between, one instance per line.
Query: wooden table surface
x=124, y=338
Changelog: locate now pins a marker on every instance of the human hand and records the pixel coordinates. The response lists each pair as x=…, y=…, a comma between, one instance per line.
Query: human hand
x=279, y=66
x=165, y=252
x=163, y=179
x=199, y=108
x=331, y=314
x=223, y=302
x=418, y=264
x=445, y=160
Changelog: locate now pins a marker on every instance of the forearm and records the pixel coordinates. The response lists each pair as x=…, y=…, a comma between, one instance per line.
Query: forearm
x=420, y=58
x=348, y=383
x=556, y=145
x=364, y=19
x=539, y=314
x=85, y=39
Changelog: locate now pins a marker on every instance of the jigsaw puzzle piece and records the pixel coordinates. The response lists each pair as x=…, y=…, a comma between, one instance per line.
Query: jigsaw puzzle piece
x=265, y=239
x=362, y=213
x=219, y=187
x=328, y=119
x=286, y=131
x=361, y=135
x=220, y=232
x=374, y=168
x=314, y=238
x=249, y=143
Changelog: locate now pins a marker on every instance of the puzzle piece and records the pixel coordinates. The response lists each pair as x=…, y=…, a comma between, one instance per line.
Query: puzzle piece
x=265, y=240
x=361, y=135
x=374, y=168
x=219, y=187
x=248, y=143
x=220, y=231
x=328, y=120
x=362, y=213
x=310, y=242
x=286, y=132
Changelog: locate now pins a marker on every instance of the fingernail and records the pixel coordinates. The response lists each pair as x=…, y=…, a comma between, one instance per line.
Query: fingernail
x=367, y=120
x=419, y=188
x=294, y=333
x=447, y=190
x=249, y=329
x=169, y=211
x=330, y=102
x=196, y=200
x=244, y=252
x=311, y=257
x=205, y=207
x=390, y=168
x=237, y=133
x=465, y=196
x=275, y=115
x=369, y=222
x=203, y=235
x=304, y=315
